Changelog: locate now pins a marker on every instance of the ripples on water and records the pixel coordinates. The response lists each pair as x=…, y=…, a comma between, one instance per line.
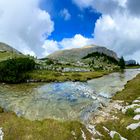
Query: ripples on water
x=68, y=100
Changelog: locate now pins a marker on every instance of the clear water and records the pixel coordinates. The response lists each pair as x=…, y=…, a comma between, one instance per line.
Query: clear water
x=65, y=101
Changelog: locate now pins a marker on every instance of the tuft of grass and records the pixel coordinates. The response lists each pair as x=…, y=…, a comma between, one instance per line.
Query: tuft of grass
x=116, y=137
x=130, y=112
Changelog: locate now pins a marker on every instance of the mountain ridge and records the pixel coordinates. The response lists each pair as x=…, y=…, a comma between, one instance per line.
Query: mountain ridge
x=76, y=54
x=5, y=47
x=6, y=52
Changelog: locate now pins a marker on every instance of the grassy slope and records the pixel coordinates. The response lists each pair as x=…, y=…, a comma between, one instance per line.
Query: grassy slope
x=130, y=93
x=7, y=55
x=51, y=76
x=132, y=67
x=22, y=129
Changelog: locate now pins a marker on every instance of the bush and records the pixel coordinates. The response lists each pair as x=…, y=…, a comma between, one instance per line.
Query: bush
x=130, y=112
x=13, y=70
x=116, y=137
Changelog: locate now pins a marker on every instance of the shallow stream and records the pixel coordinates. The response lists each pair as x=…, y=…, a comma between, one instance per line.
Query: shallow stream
x=67, y=101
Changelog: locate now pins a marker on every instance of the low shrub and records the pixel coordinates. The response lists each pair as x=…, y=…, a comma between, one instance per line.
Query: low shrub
x=14, y=70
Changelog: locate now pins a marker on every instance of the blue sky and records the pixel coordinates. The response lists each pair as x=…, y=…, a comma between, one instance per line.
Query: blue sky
x=82, y=21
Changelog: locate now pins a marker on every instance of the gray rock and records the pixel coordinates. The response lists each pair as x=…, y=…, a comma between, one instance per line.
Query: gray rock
x=133, y=126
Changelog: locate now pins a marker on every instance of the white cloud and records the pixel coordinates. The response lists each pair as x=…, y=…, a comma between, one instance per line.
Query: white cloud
x=119, y=35
x=65, y=14
x=119, y=26
x=50, y=46
x=76, y=42
x=83, y=3
x=67, y=43
x=102, y=6
x=23, y=24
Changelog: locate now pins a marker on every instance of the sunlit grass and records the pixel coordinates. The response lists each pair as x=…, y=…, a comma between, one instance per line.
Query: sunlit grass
x=51, y=76
x=8, y=55
x=131, y=91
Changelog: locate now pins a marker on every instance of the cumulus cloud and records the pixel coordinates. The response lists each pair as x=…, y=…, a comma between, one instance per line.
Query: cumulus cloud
x=77, y=41
x=65, y=14
x=50, y=46
x=119, y=26
x=119, y=35
x=102, y=6
x=23, y=25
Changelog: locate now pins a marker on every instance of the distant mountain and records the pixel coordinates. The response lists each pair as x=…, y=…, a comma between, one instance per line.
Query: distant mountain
x=79, y=53
x=6, y=48
x=7, y=51
x=130, y=62
x=92, y=57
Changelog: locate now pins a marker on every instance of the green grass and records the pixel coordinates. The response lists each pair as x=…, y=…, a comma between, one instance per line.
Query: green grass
x=130, y=112
x=1, y=110
x=116, y=137
x=52, y=76
x=131, y=91
x=21, y=129
x=132, y=67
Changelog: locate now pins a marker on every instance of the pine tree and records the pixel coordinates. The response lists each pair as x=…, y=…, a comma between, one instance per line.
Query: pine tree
x=122, y=63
